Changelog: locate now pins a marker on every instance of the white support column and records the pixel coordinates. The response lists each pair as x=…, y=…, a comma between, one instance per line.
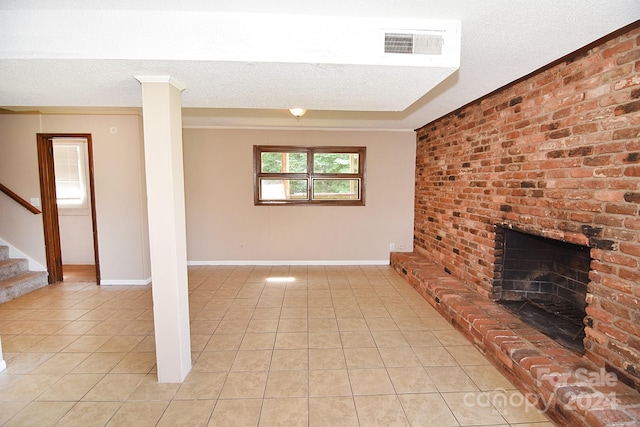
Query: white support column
x=162, y=123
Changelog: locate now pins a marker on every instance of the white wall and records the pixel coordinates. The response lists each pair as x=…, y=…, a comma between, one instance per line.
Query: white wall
x=19, y=172
x=76, y=227
x=76, y=238
x=119, y=188
x=223, y=225
x=119, y=191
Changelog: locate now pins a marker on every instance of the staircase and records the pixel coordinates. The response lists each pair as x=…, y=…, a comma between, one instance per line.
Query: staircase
x=15, y=277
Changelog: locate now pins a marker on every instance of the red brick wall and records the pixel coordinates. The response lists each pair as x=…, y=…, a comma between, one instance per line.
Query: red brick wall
x=556, y=154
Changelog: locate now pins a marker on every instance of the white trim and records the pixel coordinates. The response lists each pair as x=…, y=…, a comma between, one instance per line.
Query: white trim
x=285, y=262
x=17, y=253
x=125, y=282
x=312, y=128
x=161, y=79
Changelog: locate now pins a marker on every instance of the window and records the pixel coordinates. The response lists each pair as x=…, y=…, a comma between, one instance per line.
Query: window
x=309, y=175
x=70, y=160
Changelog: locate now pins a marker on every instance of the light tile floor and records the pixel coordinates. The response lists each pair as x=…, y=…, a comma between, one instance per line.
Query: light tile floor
x=272, y=346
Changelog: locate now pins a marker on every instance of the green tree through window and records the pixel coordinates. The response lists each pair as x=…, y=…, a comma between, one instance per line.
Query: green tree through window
x=309, y=175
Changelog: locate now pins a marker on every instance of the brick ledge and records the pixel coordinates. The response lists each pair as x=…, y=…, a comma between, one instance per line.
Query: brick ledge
x=538, y=366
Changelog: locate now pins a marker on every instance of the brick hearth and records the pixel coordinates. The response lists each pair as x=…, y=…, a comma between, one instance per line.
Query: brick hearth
x=570, y=389
x=555, y=154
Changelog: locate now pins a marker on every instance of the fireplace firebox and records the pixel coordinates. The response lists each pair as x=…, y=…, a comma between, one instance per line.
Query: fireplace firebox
x=544, y=282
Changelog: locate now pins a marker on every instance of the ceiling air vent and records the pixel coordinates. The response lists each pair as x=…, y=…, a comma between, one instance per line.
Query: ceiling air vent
x=413, y=43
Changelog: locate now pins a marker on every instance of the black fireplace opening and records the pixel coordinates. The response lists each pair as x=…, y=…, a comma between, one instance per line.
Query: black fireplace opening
x=544, y=282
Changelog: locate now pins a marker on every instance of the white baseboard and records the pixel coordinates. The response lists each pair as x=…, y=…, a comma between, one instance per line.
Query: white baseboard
x=125, y=282
x=284, y=262
x=3, y=364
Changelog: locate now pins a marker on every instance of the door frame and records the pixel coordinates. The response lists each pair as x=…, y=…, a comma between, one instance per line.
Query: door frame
x=50, y=207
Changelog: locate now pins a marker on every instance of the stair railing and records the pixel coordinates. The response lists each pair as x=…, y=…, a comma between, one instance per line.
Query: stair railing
x=28, y=206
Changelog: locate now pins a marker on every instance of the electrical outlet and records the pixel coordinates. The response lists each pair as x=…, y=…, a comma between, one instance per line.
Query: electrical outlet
x=392, y=246
x=400, y=247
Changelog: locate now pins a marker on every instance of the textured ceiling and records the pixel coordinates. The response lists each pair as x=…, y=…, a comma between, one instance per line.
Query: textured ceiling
x=244, y=62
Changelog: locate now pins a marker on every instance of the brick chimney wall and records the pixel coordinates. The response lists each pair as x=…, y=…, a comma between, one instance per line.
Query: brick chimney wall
x=556, y=154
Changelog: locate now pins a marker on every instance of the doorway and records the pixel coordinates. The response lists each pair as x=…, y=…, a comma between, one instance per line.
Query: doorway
x=67, y=198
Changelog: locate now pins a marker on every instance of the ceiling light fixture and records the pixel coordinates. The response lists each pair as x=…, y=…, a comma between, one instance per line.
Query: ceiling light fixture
x=297, y=112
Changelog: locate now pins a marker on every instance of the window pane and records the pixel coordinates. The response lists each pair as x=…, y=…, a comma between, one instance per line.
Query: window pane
x=68, y=190
x=321, y=175
x=69, y=162
x=283, y=189
x=336, y=189
x=335, y=163
x=283, y=162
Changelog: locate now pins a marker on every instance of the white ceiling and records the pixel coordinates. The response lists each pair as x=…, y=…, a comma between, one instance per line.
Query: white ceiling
x=245, y=62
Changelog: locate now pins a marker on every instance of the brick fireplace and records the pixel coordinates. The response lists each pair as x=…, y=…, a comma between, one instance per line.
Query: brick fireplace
x=544, y=282
x=555, y=155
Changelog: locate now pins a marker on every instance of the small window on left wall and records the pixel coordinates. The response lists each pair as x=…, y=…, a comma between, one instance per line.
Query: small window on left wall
x=70, y=159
